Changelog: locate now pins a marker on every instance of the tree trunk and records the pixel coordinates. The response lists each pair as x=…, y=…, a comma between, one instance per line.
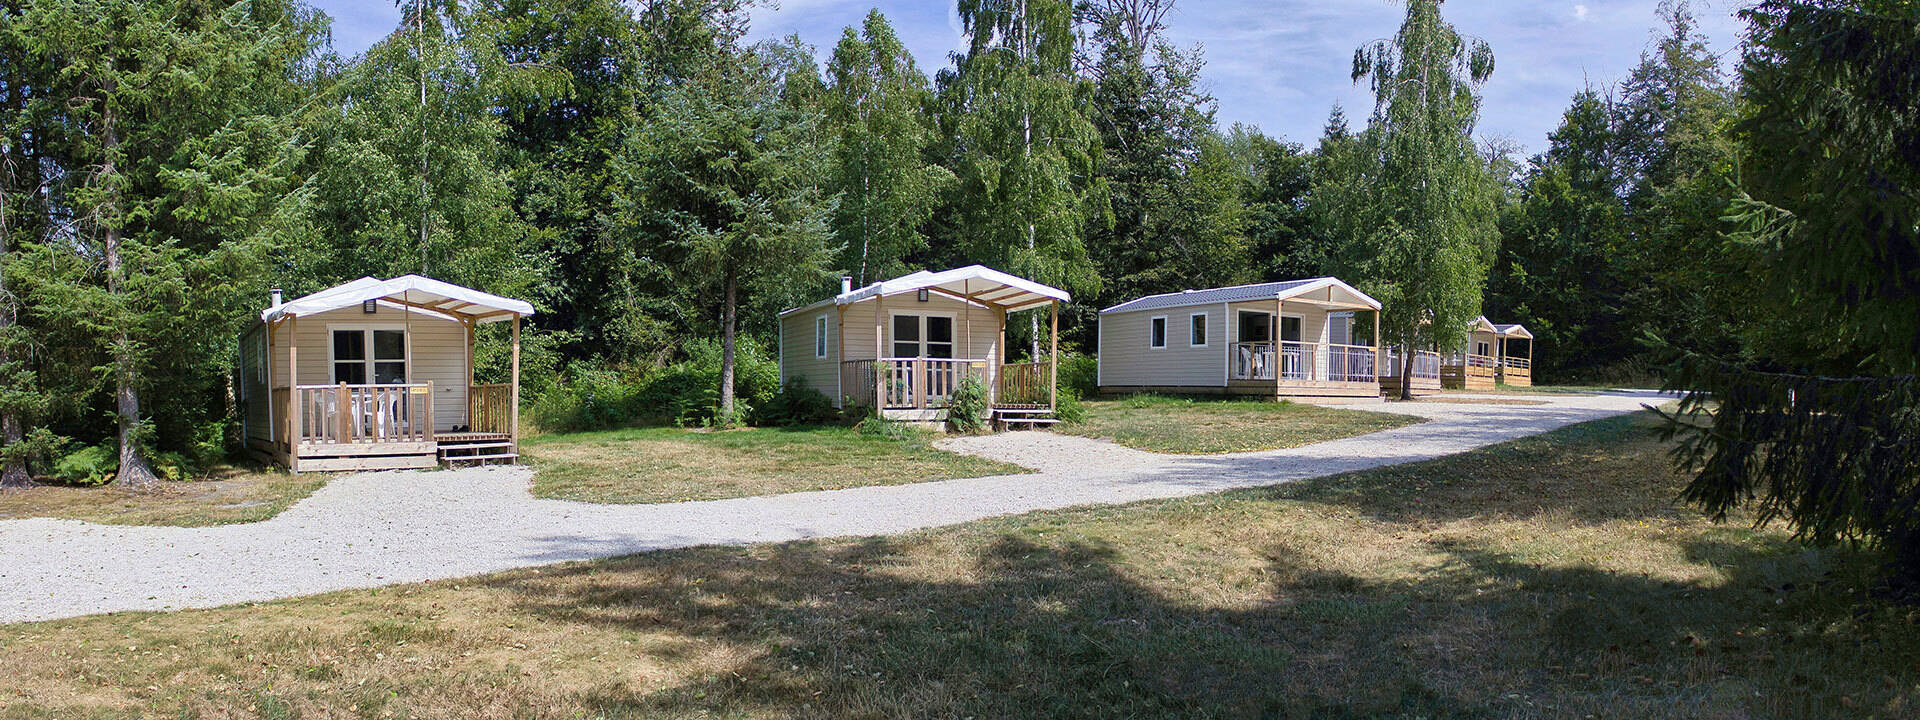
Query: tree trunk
x=134, y=471
x=14, y=474
x=1406, y=373
x=727, y=313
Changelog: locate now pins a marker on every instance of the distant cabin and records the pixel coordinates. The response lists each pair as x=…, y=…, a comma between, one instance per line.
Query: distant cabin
x=376, y=375
x=1494, y=354
x=1279, y=339
x=901, y=346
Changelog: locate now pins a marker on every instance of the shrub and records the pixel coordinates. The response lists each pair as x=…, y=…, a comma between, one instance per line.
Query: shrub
x=797, y=404
x=1069, y=408
x=1081, y=374
x=967, y=406
x=89, y=465
x=685, y=393
x=876, y=426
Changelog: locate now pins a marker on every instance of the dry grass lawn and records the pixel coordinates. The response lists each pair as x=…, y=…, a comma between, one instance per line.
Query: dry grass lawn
x=1199, y=426
x=647, y=465
x=1551, y=577
x=227, y=496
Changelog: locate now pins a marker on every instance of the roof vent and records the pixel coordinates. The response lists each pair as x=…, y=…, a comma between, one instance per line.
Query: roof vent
x=846, y=284
x=275, y=294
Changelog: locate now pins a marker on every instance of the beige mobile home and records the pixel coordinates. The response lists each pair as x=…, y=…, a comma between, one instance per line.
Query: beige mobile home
x=377, y=375
x=1280, y=339
x=1488, y=359
x=903, y=345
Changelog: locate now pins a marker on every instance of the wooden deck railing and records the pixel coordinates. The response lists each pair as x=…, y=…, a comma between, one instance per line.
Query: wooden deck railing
x=1024, y=384
x=353, y=414
x=490, y=408
x=907, y=382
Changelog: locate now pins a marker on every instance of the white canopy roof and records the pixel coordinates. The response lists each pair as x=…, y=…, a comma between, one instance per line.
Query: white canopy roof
x=414, y=292
x=973, y=283
x=1482, y=324
x=1331, y=293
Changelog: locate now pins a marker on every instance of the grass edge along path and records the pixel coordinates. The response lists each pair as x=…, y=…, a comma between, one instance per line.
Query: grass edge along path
x=1551, y=576
x=1208, y=426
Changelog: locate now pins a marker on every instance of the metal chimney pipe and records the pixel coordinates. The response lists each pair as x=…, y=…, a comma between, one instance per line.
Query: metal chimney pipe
x=846, y=284
x=276, y=297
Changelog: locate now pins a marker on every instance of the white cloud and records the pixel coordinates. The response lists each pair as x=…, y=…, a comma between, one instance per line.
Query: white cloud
x=1580, y=13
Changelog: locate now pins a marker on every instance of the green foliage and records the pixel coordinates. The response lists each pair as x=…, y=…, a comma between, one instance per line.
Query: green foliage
x=1080, y=373
x=685, y=393
x=1069, y=407
x=1830, y=143
x=880, y=170
x=796, y=404
x=1410, y=202
x=1173, y=216
x=1028, y=146
x=88, y=465
x=876, y=426
x=967, y=406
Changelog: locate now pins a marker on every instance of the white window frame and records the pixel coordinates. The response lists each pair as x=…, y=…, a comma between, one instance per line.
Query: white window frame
x=1206, y=330
x=366, y=329
x=958, y=349
x=1162, y=320
x=820, y=337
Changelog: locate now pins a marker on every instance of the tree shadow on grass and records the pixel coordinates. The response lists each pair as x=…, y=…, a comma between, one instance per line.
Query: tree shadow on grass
x=1009, y=624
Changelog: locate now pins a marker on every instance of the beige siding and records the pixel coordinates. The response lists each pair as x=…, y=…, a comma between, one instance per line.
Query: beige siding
x=797, y=357
x=437, y=349
x=976, y=330
x=1126, y=358
x=976, y=335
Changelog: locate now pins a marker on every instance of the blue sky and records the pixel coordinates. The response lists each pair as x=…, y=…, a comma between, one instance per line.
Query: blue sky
x=1280, y=64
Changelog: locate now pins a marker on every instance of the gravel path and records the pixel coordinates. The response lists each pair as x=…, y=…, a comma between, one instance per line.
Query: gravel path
x=395, y=527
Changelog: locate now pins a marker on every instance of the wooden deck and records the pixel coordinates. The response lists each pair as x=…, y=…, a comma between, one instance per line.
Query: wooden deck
x=1469, y=372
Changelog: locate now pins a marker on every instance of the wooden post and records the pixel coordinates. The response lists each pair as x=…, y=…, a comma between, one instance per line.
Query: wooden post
x=999, y=366
x=513, y=411
x=1053, y=353
x=468, y=324
x=425, y=432
x=880, y=369
x=293, y=395
x=344, y=425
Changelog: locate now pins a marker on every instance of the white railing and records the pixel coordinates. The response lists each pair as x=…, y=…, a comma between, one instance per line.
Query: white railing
x=1301, y=361
x=1426, y=364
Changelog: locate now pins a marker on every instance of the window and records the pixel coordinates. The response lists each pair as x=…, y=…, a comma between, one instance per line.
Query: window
x=1256, y=327
x=1197, y=330
x=1481, y=348
x=1157, y=333
x=1289, y=329
x=820, y=336
x=928, y=336
x=1340, y=329
x=361, y=356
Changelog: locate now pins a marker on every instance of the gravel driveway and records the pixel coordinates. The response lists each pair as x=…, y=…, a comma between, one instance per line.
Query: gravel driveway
x=396, y=527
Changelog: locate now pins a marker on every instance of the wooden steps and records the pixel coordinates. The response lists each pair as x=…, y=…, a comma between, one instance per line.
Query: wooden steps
x=477, y=451
x=1032, y=418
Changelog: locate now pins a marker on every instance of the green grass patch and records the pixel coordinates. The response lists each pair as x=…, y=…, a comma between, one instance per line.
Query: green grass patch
x=1552, y=577
x=1194, y=426
x=660, y=464
x=224, y=496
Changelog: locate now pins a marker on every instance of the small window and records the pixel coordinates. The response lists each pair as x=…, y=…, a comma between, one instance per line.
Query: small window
x=350, y=357
x=1482, y=349
x=1197, y=330
x=820, y=336
x=1157, y=333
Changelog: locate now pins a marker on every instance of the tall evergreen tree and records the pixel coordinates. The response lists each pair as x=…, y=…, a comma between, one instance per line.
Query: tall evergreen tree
x=723, y=182
x=1424, y=248
x=1173, y=217
x=1559, y=270
x=174, y=126
x=878, y=101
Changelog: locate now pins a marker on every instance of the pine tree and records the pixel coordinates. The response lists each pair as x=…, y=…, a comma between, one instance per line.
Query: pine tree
x=174, y=126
